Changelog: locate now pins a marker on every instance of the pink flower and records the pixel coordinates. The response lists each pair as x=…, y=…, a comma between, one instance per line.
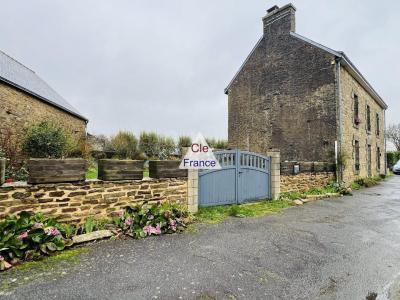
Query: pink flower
x=158, y=229
x=128, y=222
x=152, y=230
x=23, y=235
x=1, y=258
x=172, y=224
x=52, y=231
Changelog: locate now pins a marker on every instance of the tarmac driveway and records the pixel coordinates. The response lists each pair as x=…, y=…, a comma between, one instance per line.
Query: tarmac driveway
x=339, y=248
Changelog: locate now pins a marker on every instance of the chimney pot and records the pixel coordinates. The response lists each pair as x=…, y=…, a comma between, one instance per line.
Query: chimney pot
x=275, y=7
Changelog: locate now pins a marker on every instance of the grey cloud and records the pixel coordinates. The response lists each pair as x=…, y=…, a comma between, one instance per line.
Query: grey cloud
x=163, y=65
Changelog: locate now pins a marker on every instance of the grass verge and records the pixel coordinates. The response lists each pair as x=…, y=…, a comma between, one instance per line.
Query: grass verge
x=92, y=172
x=216, y=214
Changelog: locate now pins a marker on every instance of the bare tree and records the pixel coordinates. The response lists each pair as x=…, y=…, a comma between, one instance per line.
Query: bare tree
x=393, y=135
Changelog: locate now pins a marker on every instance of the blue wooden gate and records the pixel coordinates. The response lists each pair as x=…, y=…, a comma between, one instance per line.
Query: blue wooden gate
x=244, y=176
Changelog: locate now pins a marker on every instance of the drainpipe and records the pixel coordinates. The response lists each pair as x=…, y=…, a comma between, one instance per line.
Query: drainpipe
x=384, y=136
x=339, y=112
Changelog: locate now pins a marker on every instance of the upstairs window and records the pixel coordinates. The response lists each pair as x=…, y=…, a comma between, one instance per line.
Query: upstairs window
x=377, y=124
x=368, y=118
x=356, y=110
x=357, y=156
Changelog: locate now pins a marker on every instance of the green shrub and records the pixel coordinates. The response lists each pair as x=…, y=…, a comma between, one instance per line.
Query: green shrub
x=392, y=157
x=156, y=146
x=17, y=173
x=184, y=142
x=355, y=185
x=217, y=143
x=45, y=140
x=125, y=145
x=148, y=144
x=366, y=182
x=167, y=147
x=89, y=225
x=144, y=220
x=29, y=236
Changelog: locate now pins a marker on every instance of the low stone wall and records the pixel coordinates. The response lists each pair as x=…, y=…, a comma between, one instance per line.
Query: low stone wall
x=311, y=175
x=74, y=202
x=304, y=181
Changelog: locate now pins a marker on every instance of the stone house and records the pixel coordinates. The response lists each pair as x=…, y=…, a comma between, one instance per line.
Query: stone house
x=26, y=99
x=306, y=100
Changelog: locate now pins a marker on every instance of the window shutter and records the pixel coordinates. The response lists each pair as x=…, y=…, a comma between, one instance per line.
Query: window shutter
x=352, y=102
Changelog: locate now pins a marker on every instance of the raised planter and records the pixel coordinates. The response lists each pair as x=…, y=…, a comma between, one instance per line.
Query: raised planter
x=114, y=169
x=166, y=169
x=44, y=170
x=2, y=170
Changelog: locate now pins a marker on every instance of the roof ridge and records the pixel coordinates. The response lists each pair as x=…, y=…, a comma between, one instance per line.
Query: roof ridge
x=328, y=49
x=17, y=61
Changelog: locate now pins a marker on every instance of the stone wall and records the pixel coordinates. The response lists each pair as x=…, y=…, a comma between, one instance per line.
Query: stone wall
x=311, y=175
x=18, y=110
x=75, y=202
x=351, y=132
x=305, y=181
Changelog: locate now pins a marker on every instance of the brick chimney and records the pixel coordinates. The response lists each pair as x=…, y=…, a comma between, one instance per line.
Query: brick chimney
x=280, y=20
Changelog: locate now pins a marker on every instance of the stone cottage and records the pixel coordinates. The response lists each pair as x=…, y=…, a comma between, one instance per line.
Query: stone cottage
x=26, y=99
x=306, y=100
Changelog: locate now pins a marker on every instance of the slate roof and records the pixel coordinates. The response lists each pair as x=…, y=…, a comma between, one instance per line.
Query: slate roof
x=16, y=74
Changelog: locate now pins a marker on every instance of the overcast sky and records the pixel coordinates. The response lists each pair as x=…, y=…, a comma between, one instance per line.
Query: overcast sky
x=163, y=65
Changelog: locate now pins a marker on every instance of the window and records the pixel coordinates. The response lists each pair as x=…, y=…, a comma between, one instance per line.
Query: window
x=378, y=158
x=368, y=118
x=356, y=110
x=377, y=124
x=357, y=156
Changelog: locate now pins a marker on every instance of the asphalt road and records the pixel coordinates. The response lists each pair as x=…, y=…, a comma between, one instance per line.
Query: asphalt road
x=339, y=248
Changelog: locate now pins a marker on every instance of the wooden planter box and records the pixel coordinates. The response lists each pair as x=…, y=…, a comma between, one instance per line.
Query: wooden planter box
x=114, y=169
x=2, y=170
x=166, y=169
x=44, y=170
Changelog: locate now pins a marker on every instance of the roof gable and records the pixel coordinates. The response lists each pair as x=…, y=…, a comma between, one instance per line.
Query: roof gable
x=338, y=54
x=243, y=64
x=16, y=74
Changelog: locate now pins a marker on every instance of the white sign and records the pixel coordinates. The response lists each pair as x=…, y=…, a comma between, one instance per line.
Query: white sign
x=199, y=156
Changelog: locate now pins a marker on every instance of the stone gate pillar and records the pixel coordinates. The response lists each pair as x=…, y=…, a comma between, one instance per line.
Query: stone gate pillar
x=193, y=190
x=275, y=173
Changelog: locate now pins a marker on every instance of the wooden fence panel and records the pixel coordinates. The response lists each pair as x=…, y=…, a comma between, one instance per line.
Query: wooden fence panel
x=43, y=170
x=114, y=169
x=166, y=169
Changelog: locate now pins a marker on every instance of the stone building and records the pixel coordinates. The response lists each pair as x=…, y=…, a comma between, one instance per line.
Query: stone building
x=26, y=99
x=303, y=98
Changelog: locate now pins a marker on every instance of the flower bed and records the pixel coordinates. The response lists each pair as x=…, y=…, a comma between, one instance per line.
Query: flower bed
x=142, y=221
x=29, y=236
